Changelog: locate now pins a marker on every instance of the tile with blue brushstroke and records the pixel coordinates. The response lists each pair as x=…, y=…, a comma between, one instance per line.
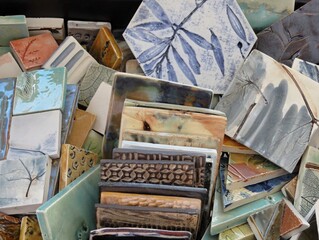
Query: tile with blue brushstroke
x=11, y=28
x=309, y=69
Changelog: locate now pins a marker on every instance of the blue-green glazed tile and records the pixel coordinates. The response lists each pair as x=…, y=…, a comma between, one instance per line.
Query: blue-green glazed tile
x=7, y=86
x=207, y=235
x=71, y=214
x=12, y=28
x=40, y=90
x=4, y=50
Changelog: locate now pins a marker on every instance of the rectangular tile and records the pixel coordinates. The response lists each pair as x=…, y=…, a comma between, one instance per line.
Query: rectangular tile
x=30, y=229
x=8, y=66
x=241, y=232
x=7, y=24
x=10, y=227
x=232, y=146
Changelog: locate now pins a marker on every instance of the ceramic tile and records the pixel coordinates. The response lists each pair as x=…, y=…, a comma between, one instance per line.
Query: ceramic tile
x=231, y=146
x=95, y=75
x=9, y=68
x=29, y=177
x=306, y=68
x=106, y=50
x=11, y=28
x=266, y=96
x=222, y=221
x=41, y=25
x=71, y=99
x=85, y=32
x=207, y=235
x=246, y=169
x=71, y=55
x=127, y=54
x=9, y=227
x=7, y=88
x=82, y=125
x=190, y=43
x=93, y=143
x=78, y=219
x=32, y=52
x=132, y=66
x=238, y=197
x=4, y=50
x=30, y=229
x=40, y=90
x=40, y=132
x=308, y=179
x=99, y=106
x=289, y=190
x=147, y=89
x=73, y=163
x=285, y=41
x=262, y=13
x=242, y=232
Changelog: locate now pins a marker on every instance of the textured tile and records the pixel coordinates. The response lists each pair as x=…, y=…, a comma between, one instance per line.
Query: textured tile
x=11, y=28
x=93, y=142
x=189, y=43
x=30, y=229
x=32, y=52
x=9, y=227
x=8, y=66
x=266, y=96
x=40, y=90
x=296, y=35
x=242, y=232
x=306, y=68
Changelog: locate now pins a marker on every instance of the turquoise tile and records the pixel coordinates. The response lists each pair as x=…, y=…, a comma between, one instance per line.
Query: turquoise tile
x=4, y=50
x=207, y=235
x=12, y=28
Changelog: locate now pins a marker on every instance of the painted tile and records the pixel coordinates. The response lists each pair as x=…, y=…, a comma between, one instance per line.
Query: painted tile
x=11, y=28
x=7, y=88
x=9, y=227
x=289, y=190
x=71, y=99
x=99, y=106
x=9, y=68
x=40, y=132
x=238, y=197
x=285, y=41
x=32, y=52
x=190, y=43
x=308, y=181
x=78, y=219
x=73, y=163
x=105, y=49
x=151, y=90
x=41, y=25
x=266, y=96
x=132, y=66
x=29, y=177
x=85, y=32
x=30, y=229
x=93, y=143
x=306, y=68
x=242, y=232
x=95, y=75
x=246, y=169
x=262, y=13
x=82, y=125
x=127, y=54
x=231, y=146
x=40, y=90
x=222, y=221
x=4, y=50
x=71, y=55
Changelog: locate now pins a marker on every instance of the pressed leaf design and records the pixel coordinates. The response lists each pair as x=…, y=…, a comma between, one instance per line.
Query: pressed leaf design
x=153, y=26
x=171, y=72
x=199, y=40
x=144, y=35
x=152, y=52
x=236, y=24
x=158, y=11
x=218, y=52
x=189, y=51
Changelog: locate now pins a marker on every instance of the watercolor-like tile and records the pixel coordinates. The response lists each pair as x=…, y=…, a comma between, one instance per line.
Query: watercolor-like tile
x=7, y=89
x=151, y=90
x=242, y=232
x=40, y=90
x=200, y=43
x=30, y=229
x=9, y=68
x=11, y=28
x=306, y=68
x=271, y=109
x=9, y=227
x=93, y=143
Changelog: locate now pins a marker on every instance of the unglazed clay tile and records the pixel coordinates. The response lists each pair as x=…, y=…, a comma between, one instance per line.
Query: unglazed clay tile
x=138, y=233
x=271, y=109
x=151, y=90
x=4, y=50
x=285, y=41
x=30, y=229
x=71, y=55
x=241, y=196
x=8, y=66
x=99, y=106
x=9, y=227
x=73, y=163
x=262, y=13
x=308, y=180
x=24, y=184
x=306, y=68
x=7, y=89
x=74, y=207
x=82, y=125
x=93, y=143
x=105, y=49
x=242, y=232
x=231, y=146
x=32, y=52
x=95, y=75
x=222, y=221
x=40, y=90
x=40, y=25
x=289, y=190
x=85, y=32
x=40, y=132
x=132, y=66
x=246, y=169
x=11, y=28
x=201, y=43
x=71, y=99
